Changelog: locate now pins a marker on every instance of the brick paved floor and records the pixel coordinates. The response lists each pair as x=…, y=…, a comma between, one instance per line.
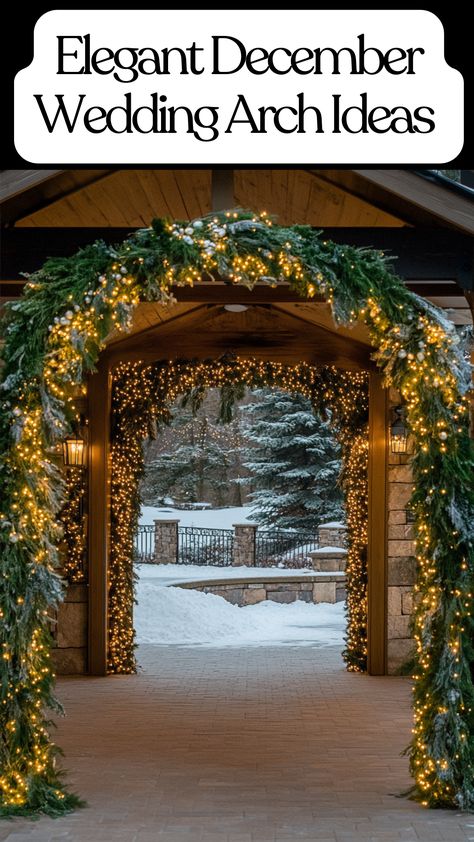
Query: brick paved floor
x=239, y=745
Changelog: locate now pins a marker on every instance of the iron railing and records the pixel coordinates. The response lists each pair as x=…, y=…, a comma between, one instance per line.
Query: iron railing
x=144, y=544
x=285, y=548
x=215, y=547
x=205, y=546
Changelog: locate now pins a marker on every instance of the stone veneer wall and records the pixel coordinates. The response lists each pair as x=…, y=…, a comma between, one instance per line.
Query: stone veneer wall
x=401, y=560
x=69, y=654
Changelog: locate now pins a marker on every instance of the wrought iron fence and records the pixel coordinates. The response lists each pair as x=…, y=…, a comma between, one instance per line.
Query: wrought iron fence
x=205, y=546
x=144, y=544
x=288, y=549
x=215, y=547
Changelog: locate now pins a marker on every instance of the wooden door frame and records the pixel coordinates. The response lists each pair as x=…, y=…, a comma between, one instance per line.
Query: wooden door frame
x=99, y=519
x=100, y=394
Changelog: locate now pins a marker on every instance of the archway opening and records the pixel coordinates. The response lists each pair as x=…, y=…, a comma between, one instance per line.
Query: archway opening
x=141, y=397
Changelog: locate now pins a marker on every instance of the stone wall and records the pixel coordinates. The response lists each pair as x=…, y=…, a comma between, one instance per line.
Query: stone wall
x=310, y=589
x=69, y=654
x=401, y=561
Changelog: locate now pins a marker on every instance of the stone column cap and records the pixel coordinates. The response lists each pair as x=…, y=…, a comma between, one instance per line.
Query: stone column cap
x=166, y=520
x=252, y=525
x=328, y=552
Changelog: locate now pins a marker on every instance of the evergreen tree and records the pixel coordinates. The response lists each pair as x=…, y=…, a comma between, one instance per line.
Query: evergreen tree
x=295, y=463
x=195, y=459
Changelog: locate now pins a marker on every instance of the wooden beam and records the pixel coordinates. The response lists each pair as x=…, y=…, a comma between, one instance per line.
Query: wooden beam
x=407, y=195
x=222, y=190
x=425, y=255
x=13, y=182
x=99, y=434
x=377, y=528
x=27, y=191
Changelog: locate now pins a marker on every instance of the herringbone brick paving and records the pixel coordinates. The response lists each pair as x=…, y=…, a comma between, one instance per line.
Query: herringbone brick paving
x=269, y=744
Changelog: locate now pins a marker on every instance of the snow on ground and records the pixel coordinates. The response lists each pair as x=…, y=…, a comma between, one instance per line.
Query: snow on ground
x=172, y=573
x=207, y=519
x=168, y=615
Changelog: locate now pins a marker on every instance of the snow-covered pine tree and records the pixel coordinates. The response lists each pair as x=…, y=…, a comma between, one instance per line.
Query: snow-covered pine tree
x=194, y=459
x=295, y=462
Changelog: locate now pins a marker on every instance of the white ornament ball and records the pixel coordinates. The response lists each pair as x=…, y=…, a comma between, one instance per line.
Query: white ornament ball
x=443, y=435
x=220, y=232
x=63, y=321
x=69, y=314
x=87, y=299
x=402, y=353
x=13, y=538
x=117, y=277
x=189, y=230
x=420, y=356
x=102, y=278
x=197, y=223
x=123, y=270
x=188, y=240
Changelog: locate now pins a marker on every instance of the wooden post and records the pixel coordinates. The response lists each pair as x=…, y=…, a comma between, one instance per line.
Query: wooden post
x=222, y=190
x=377, y=527
x=99, y=434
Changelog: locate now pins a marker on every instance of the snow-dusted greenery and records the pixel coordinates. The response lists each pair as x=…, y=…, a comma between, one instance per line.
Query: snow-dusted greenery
x=294, y=462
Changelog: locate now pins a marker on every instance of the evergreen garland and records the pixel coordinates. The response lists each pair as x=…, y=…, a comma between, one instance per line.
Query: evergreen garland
x=53, y=337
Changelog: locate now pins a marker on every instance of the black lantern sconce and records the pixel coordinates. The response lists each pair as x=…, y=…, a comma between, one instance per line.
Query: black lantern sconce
x=75, y=447
x=398, y=431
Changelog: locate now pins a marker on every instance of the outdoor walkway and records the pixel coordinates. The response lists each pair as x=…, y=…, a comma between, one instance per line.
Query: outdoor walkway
x=239, y=745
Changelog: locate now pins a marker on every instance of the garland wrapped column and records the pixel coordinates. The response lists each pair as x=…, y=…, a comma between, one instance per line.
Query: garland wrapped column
x=54, y=335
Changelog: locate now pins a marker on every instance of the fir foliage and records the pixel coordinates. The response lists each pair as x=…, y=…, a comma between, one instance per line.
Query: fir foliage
x=294, y=463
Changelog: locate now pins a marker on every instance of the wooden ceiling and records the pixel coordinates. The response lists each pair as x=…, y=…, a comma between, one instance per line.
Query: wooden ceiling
x=131, y=198
x=286, y=332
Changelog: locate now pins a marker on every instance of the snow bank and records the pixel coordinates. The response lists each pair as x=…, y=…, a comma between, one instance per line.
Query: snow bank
x=207, y=518
x=170, y=615
x=168, y=573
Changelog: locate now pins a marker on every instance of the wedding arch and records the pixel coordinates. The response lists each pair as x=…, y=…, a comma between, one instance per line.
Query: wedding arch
x=54, y=336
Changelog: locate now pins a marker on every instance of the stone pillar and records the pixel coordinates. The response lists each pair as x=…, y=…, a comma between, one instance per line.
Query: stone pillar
x=69, y=652
x=328, y=560
x=401, y=560
x=166, y=541
x=244, y=544
x=332, y=534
